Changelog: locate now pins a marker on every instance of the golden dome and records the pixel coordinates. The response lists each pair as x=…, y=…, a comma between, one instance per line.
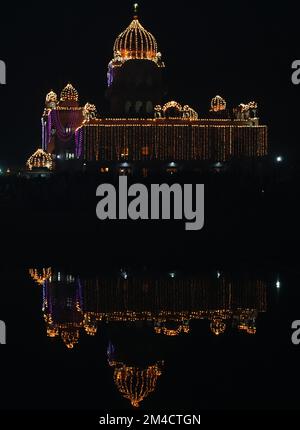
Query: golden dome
x=218, y=104
x=40, y=159
x=69, y=93
x=136, y=43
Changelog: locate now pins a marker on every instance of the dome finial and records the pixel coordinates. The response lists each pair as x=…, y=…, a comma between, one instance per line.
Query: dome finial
x=135, y=10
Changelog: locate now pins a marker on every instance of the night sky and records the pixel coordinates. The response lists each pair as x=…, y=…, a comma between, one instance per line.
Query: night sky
x=240, y=50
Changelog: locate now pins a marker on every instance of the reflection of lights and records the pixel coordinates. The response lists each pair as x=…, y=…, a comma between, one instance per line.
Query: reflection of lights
x=40, y=276
x=278, y=284
x=135, y=384
x=217, y=326
x=124, y=274
x=104, y=170
x=40, y=159
x=279, y=159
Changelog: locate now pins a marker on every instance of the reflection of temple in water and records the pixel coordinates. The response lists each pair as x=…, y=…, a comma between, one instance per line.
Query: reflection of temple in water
x=134, y=383
x=168, y=302
x=164, y=304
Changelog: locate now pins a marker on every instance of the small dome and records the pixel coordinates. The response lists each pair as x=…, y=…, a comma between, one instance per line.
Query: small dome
x=218, y=104
x=40, y=159
x=69, y=93
x=252, y=105
x=51, y=97
x=136, y=43
x=89, y=111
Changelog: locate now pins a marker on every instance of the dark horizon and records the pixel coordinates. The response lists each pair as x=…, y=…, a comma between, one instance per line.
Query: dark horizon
x=227, y=49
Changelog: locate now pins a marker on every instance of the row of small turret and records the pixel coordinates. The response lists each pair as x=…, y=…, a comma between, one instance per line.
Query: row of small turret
x=69, y=99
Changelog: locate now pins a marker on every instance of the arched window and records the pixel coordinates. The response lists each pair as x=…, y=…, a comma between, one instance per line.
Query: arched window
x=149, y=107
x=128, y=105
x=138, y=106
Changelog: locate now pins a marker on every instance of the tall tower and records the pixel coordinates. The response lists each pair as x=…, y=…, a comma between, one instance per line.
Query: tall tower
x=135, y=74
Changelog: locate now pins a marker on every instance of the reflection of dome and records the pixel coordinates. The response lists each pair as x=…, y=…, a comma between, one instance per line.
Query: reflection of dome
x=52, y=332
x=70, y=337
x=247, y=320
x=40, y=159
x=161, y=328
x=90, y=324
x=136, y=43
x=136, y=384
x=217, y=326
x=218, y=104
x=42, y=276
x=69, y=93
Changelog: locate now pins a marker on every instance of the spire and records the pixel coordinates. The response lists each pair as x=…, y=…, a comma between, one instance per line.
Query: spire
x=135, y=10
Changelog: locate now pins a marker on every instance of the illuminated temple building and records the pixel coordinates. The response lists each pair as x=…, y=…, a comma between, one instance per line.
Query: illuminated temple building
x=141, y=128
x=150, y=308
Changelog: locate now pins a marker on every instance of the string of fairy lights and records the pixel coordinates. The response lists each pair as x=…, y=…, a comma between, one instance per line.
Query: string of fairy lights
x=144, y=141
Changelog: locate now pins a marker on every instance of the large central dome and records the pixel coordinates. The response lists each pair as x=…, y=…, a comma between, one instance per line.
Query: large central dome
x=136, y=43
